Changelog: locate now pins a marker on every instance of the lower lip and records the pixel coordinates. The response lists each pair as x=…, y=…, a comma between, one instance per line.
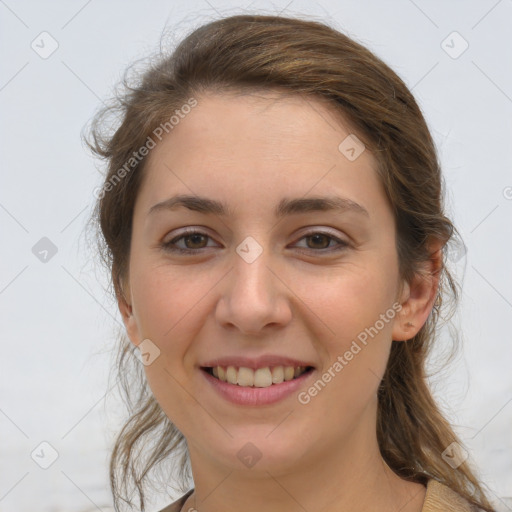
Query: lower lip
x=256, y=396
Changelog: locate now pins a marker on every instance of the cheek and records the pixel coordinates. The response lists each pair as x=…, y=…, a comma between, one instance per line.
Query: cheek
x=164, y=302
x=353, y=297
x=359, y=307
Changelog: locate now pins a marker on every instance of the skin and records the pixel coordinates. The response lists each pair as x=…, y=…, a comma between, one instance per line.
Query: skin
x=296, y=299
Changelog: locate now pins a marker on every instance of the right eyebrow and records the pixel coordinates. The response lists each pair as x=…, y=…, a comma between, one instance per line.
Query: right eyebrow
x=194, y=203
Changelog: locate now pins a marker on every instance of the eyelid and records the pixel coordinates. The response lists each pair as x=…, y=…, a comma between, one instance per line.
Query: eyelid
x=340, y=242
x=188, y=231
x=314, y=230
x=307, y=232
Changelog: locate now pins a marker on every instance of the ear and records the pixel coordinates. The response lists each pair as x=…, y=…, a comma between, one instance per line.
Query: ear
x=418, y=296
x=124, y=303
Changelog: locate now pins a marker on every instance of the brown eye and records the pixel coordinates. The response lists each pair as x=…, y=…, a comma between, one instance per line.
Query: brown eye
x=322, y=242
x=193, y=242
x=196, y=240
x=319, y=241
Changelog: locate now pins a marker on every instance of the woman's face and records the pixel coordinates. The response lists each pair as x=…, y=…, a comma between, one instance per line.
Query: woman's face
x=298, y=269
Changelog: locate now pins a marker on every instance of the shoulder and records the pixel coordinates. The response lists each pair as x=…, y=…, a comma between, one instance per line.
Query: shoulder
x=440, y=498
x=177, y=505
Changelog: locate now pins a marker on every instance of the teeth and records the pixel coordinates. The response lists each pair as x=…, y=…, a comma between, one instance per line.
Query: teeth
x=260, y=378
x=263, y=377
x=245, y=377
x=277, y=374
x=289, y=372
x=231, y=374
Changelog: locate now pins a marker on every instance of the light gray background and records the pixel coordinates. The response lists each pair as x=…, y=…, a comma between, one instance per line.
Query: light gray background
x=57, y=322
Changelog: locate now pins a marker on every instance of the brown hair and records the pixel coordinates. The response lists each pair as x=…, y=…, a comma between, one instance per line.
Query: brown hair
x=304, y=57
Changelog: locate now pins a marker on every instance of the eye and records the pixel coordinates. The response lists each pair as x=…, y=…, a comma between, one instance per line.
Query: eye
x=322, y=242
x=195, y=240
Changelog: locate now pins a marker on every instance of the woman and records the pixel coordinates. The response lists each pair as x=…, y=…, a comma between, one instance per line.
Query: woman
x=272, y=219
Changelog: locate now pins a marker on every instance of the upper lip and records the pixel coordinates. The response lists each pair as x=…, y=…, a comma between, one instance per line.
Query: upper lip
x=255, y=362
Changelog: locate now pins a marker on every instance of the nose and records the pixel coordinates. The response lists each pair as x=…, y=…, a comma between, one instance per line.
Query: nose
x=254, y=299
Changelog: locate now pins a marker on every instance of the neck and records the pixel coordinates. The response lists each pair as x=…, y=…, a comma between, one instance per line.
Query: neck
x=349, y=477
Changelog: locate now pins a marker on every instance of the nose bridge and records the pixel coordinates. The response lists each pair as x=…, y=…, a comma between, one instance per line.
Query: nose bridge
x=252, y=278
x=253, y=297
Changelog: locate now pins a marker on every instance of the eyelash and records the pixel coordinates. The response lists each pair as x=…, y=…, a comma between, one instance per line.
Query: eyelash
x=169, y=246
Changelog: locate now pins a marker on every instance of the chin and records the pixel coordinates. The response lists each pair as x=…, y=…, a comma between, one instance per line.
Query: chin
x=262, y=451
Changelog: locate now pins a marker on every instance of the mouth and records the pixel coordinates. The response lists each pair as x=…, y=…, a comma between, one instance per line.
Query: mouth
x=263, y=377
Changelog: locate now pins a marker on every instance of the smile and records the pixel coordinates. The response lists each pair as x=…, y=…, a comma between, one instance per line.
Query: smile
x=259, y=386
x=259, y=377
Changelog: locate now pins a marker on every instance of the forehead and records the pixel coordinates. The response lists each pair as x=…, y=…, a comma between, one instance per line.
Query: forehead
x=235, y=145
x=249, y=122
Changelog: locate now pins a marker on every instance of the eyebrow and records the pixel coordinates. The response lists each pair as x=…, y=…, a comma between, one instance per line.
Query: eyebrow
x=284, y=208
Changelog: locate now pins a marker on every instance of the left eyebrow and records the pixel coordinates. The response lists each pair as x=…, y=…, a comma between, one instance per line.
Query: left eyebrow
x=285, y=206
x=318, y=204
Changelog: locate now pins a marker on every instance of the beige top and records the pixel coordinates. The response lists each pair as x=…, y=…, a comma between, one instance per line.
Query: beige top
x=438, y=498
